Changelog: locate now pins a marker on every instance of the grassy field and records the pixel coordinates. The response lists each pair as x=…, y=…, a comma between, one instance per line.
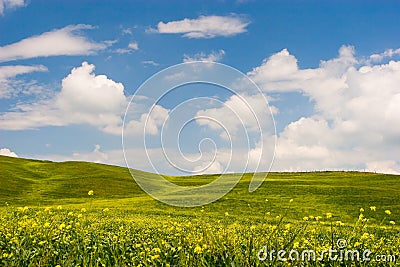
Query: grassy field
x=49, y=219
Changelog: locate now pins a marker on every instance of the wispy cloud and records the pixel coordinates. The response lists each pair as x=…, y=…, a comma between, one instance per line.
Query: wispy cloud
x=58, y=42
x=133, y=46
x=7, y=72
x=205, y=26
x=213, y=56
x=9, y=86
x=150, y=62
x=10, y=4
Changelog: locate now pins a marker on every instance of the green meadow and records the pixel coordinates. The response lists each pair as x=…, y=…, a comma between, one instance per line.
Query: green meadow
x=49, y=217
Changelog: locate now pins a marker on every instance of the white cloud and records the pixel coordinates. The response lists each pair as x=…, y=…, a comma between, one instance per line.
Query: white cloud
x=65, y=41
x=8, y=152
x=84, y=91
x=85, y=98
x=388, y=166
x=10, y=4
x=7, y=72
x=205, y=26
x=247, y=133
x=250, y=112
x=133, y=46
x=213, y=56
x=9, y=86
x=127, y=31
x=357, y=111
x=115, y=157
x=207, y=168
x=149, y=122
x=389, y=53
x=150, y=62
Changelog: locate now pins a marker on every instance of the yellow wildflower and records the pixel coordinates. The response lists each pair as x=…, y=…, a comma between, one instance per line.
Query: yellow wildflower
x=155, y=257
x=197, y=249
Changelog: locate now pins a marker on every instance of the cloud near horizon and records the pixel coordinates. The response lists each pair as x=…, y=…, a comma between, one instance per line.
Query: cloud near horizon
x=354, y=125
x=7, y=152
x=357, y=110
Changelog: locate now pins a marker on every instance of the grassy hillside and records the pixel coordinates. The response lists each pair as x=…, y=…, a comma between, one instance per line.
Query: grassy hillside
x=43, y=183
x=122, y=226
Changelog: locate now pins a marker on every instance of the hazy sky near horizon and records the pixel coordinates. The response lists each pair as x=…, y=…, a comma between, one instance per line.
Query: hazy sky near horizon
x=329, y=69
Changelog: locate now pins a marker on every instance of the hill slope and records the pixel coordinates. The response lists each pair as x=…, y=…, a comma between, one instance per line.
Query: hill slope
x=33, y=182
x=30, y=181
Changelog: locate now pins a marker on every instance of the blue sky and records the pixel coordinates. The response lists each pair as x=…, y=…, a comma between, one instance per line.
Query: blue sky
x=329, y=69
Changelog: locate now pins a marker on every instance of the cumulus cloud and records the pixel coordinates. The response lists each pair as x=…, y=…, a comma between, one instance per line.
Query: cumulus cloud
x=65, y=41
x=205, y=26
x=10, y=4
x=149, y=122
x=213, y=56
x=7, y=152
x=209, y=168
x=357, y=112
x=84, y=98
x=389, y=53
x=250, y=112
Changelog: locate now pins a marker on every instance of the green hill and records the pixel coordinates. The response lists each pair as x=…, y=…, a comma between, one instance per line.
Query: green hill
x=43, y=183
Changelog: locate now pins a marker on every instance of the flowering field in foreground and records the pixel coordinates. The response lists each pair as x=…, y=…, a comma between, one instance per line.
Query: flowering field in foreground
x=87, y=214
x=65, y=236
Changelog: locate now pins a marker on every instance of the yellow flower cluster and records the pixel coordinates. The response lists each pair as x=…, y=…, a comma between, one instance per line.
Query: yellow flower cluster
x=113, y=237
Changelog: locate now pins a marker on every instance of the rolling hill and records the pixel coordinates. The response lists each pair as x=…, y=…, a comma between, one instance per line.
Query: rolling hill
x=43, y=183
